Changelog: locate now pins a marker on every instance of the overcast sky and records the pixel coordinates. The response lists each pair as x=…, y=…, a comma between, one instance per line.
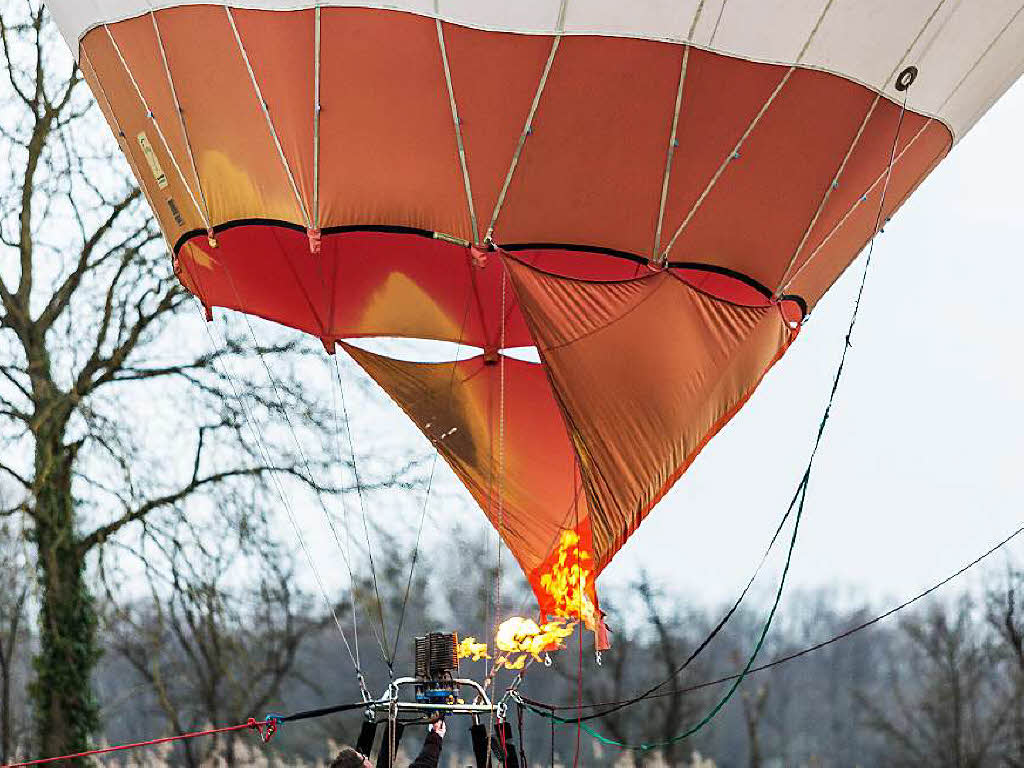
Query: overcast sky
x=921, y=465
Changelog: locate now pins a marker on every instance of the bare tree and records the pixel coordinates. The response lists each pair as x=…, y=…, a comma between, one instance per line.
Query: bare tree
x=945, y=710
x=211, y=647
x=753, y=708
x=673, y=642
x=115, y=407
x=1005, y=614
x=653, y=651
x=14, y=589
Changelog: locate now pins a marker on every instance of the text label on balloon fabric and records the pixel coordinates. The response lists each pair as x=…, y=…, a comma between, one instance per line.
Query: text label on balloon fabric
x=151, y=158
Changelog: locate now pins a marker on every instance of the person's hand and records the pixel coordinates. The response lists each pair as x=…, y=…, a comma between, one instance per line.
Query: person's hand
x=439, y=728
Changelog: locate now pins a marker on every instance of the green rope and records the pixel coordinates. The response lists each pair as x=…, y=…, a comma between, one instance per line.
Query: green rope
x=798, y=500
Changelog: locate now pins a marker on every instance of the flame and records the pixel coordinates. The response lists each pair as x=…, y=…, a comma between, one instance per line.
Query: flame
x=567, y=584
x=519, y=635
x=507, y=663
x=470, y=648
x=568, y=581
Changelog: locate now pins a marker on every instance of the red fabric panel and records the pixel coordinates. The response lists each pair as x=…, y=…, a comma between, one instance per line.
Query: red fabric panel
x=390, y=283
x=646, y=371
x=113, y=85
x=360, y=284
x=842, y=233
x=494, y=77
x=591, y=170
x=457, y=407
x=278, y=47
x=387, y=139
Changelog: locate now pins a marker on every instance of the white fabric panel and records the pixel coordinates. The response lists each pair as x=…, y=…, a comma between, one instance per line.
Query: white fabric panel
x=863, y=40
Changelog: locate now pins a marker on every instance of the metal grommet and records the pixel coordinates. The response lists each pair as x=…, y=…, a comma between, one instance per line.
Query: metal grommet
x=906, y=78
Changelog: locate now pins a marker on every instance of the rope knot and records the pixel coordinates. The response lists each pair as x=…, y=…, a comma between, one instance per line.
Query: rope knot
x=269, y=726
x=477, y=256
x=313, y=234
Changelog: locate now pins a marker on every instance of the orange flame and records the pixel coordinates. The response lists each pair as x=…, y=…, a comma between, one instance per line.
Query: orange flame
x=471, y=649
x=568, y=581
x=567, y=584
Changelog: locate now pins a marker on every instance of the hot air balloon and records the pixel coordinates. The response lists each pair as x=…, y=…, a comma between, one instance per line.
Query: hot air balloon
x=652, y=194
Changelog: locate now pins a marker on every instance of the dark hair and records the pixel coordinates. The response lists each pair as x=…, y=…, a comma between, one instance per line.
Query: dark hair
x=347, y=758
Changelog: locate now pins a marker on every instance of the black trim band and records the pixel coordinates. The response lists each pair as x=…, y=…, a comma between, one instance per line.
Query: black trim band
x=258, y=222
x=510, y=247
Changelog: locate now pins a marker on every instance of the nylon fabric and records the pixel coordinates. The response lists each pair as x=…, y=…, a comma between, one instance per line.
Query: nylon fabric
x=645, y=371
x=591, y=166
x=459, y=415
x=858, y=40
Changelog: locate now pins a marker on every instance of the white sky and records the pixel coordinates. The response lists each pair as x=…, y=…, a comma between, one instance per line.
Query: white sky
x=920, y=469
x=922, y=466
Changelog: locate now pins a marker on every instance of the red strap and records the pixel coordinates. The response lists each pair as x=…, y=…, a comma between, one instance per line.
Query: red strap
x=251, y=723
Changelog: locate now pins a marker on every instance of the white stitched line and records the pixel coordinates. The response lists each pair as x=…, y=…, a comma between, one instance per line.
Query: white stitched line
x=160, y=133
x=316, y=119
x=718, y=20
x=988, y=49
x=834, y=183
x=126, y=148
x=181, y=115
x=266, y=114
x=828, y=192
x=458, y=126
x=927, y=48
x=528, y=125
x=746, y=134
x=672, y=143
x=854, y=207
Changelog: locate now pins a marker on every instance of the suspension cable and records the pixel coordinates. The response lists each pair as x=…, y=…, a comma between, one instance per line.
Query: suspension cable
x=261, y=446
x=430, y=479
x=345, y=521
x=799, y=498
x=805, y=651
x=381, y=636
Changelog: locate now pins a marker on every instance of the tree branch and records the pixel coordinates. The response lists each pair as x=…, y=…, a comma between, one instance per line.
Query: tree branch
x=62, y=295
x=11, y=473
x=105, y=531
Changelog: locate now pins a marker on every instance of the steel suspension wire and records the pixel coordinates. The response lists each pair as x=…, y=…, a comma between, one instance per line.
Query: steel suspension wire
x=381, y=637
x=501, y=477
x=285, y=501
x=801, y=653
x=203, y=211
x=799, y=498
x=430, y=481
x=344, y=507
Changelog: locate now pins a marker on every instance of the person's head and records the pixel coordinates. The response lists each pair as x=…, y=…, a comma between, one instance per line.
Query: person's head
x=349, y=758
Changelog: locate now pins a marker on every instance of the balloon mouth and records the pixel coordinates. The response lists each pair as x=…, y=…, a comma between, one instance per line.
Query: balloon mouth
x=394, y=281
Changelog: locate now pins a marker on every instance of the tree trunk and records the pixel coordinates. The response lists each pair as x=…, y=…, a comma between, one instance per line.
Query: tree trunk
x=8, y=651
x=6, y=720
x=65, y=709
